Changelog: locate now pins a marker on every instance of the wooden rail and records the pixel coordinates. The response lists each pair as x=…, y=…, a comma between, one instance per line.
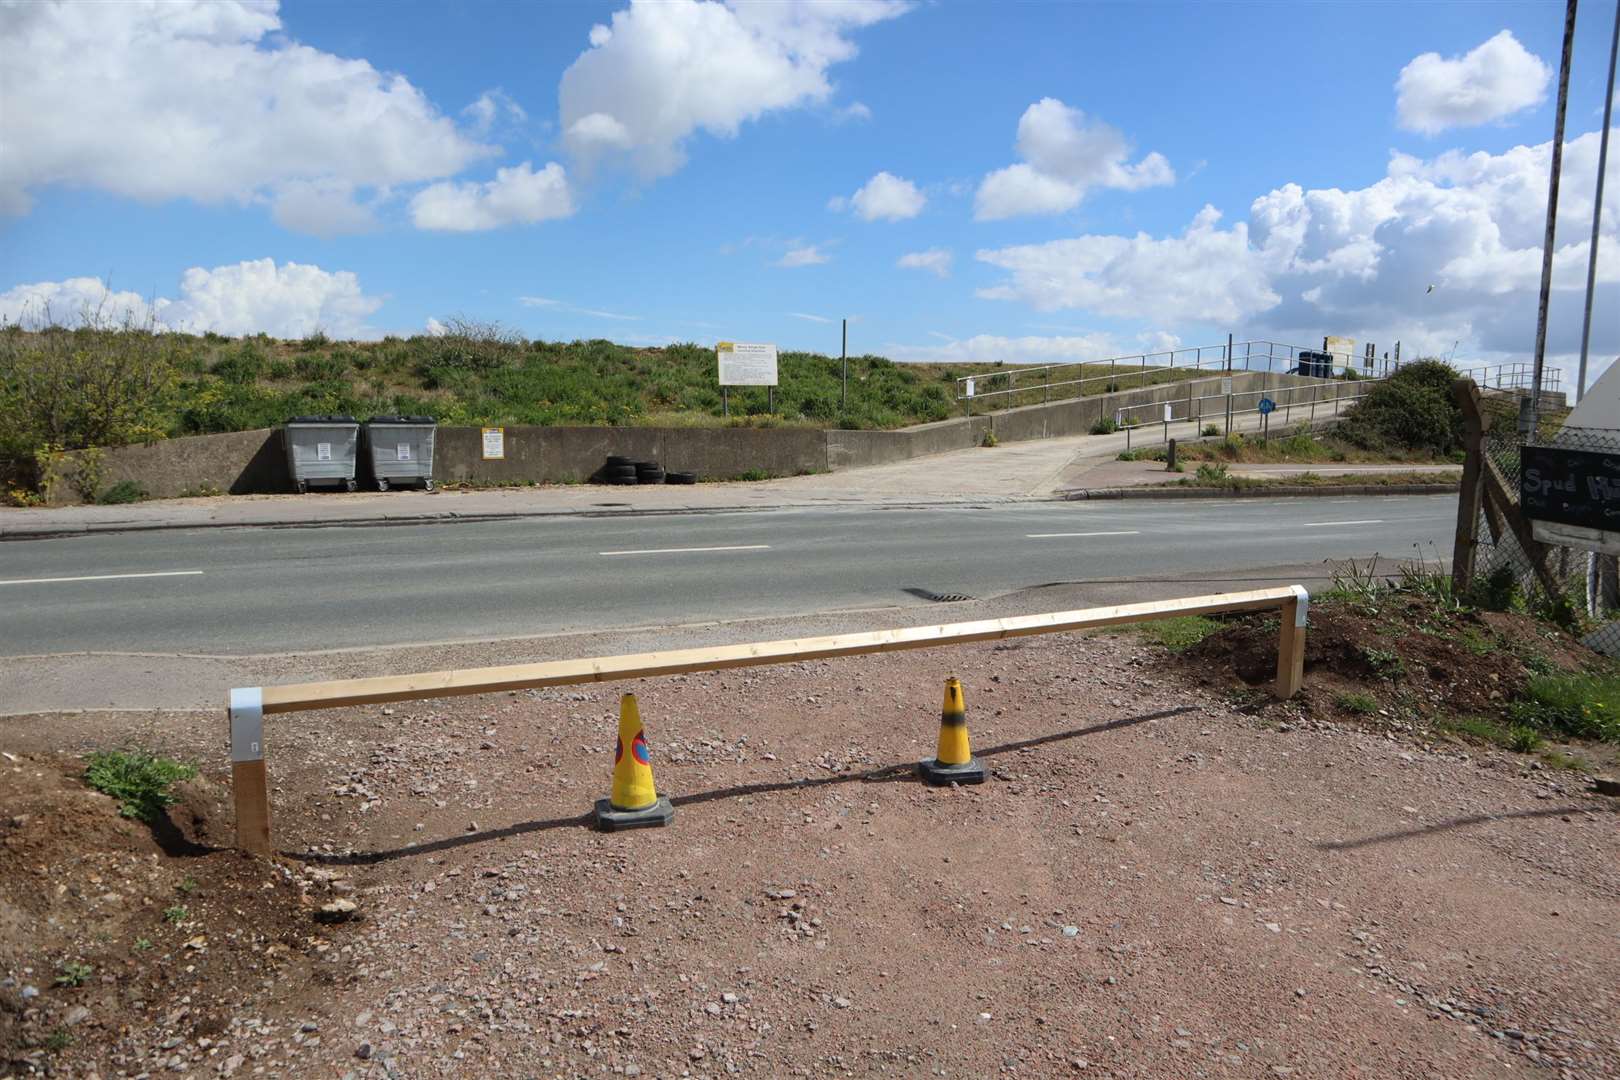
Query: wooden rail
x=249, y=706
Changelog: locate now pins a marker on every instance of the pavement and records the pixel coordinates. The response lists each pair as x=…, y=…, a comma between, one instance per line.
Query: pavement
x=1013, y=472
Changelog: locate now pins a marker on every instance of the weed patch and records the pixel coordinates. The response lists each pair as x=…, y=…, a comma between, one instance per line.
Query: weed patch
x=139, y=781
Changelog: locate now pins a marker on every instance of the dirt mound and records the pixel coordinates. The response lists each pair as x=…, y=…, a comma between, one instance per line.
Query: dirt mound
x=1413, y=659
x=117, y=936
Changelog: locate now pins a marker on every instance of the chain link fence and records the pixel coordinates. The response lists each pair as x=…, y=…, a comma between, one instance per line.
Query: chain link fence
x=1578, y=588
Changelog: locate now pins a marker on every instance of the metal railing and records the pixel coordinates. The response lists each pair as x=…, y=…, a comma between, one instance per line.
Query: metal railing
x=1083, y=378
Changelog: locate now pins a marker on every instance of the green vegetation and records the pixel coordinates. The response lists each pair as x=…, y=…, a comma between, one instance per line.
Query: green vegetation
x=176, y=914
x=1356, y=702
x=142, y=944
x=1412, y=410
x=1385, y=663
x=1176, y=634
x=138, y=780
x=72, y=973
x=1582, y=706
x=1515, y=737
x=1104, y=426
x=125, y=491
x=58, y=1040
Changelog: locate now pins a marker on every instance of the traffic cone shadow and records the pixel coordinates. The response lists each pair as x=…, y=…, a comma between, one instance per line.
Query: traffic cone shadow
x=953, y=761
x=634, y=802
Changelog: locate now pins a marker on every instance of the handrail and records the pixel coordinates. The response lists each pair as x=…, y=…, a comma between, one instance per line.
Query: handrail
x=249, y=706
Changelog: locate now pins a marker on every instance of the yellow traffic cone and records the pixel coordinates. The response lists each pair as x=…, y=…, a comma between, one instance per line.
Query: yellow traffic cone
x=634, y=802
x=953, y=762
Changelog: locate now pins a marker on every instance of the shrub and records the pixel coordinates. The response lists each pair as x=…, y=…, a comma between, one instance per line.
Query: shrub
x=1104, y=426
x=316, y=367
x=138, y=780
x=244, y=364
x=1211, y=429
x=1413, y=409
x=1212, y=472
x=125, y=491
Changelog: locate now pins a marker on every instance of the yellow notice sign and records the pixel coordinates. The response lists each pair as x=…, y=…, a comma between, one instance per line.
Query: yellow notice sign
x=494, y=443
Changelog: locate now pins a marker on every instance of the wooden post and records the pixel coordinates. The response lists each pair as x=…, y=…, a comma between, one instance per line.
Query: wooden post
x=249, y=781
x=1291, y=644
x=1473, y=488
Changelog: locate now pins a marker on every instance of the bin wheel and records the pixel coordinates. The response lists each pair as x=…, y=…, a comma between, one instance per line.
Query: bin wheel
x=382, y=483
x=427, y=485
x=303, y=488
x=350, y=485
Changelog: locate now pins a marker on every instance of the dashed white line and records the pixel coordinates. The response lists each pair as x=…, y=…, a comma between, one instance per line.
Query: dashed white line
x=683, y=551
x=1363, y=521
x=101, y=577
x=1049, y=536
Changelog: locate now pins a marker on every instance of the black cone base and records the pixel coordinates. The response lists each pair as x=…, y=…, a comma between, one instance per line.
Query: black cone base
x=937, y=775
x=651, y=817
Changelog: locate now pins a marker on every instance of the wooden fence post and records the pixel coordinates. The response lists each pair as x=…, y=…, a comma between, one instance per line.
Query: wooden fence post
x=249, y=782
x=1475, y=423
x=1291, y=643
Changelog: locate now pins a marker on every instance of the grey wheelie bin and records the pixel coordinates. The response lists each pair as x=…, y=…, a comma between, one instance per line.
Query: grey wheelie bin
x=322, y=451
x=401, y=449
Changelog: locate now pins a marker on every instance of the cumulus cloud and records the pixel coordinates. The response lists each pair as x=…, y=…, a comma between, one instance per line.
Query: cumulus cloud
x=1493, y=80
x=517, y=196
x=325, y=207
x=1065, y=155
x=206, y=100
x=885, y=197
x=1205, y=274
x=936, y=261
x=286, y=301
x=663, y=70
x=1359, y=262
x=490, y=107
x=805, y=255
x=988, y=348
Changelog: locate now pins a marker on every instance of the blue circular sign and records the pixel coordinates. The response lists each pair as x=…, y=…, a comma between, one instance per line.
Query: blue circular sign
x=1267, y=406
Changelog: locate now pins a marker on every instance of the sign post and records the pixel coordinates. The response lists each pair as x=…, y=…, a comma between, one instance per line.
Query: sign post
x=744, y=364
x=1267, y=407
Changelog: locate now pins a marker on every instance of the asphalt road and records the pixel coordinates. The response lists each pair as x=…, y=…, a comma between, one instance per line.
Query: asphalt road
x=240, y=591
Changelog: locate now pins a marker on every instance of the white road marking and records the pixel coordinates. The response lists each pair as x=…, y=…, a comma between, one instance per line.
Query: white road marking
x=1364, y=521
x=682, y=551
x=1049, y=536
x=101, y=577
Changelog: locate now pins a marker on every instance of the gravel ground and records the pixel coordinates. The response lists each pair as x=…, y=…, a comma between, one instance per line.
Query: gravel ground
x=1154, y=883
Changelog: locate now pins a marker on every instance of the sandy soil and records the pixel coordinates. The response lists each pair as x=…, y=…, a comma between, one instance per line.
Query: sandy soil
x=1159, y=880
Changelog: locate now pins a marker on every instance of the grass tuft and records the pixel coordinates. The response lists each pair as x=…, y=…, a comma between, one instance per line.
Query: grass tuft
x=138, y=780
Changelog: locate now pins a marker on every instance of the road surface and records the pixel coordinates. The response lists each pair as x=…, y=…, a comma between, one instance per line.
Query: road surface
x=248, y=591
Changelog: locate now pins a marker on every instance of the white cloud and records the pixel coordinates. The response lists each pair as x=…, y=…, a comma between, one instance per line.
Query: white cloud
x=204, y=99
x=1065, y=155
x=666, y=69
x=325, y=207
x=989, y=348
x=809, y=318
x=1360, y=262
x=435, y=328
x=286, y=301
x=806, y=255
x=936, y=261
x=561, y=305
x=517, y=196
x=489, y=108
x=1206, y=274
x=1489, y=82
x=855, y=110
x=885, y=197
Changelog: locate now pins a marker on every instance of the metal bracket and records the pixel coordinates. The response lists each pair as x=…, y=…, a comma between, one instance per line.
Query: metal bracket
x=1302, y=606
x=247, y=724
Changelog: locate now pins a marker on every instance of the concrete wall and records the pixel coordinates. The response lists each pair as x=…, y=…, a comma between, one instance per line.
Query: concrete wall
x=248, y=462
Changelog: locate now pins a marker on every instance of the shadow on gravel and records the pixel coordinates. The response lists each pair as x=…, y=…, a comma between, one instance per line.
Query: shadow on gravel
x=1460, y=823
x=885, y=774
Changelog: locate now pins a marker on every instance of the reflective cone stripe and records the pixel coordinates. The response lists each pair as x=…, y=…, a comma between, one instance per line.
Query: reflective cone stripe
x=632, y=772
x=953, y=732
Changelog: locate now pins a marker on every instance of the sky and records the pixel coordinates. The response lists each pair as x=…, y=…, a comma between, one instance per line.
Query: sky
x=1028, y=182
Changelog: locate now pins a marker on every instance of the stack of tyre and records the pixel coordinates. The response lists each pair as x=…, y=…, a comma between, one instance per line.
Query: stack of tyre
x=621, y=470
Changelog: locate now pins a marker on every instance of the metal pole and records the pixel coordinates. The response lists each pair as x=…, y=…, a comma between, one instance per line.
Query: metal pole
x=1597, y=216
x=843, y=355
x=725, y=403
x=1552, y=212
x=1229, y=354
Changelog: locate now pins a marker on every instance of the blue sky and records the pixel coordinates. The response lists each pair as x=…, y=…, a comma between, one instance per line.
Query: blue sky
x=1025, y=182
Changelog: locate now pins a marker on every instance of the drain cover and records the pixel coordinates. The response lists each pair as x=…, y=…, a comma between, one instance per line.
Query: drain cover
x=938, y=598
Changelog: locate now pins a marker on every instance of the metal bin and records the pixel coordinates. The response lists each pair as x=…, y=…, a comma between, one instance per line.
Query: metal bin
x=322, y=451
x=401, y=449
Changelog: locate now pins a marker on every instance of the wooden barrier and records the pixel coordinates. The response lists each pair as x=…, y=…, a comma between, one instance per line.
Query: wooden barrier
x=250, y=706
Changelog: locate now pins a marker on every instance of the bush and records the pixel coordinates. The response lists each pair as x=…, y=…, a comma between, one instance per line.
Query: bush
x=1585, y=706
x=1413, y=410
x=1105, y=426
x=244, y=364
x=125, y=491
x=138, y=780
x=1211, y=430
